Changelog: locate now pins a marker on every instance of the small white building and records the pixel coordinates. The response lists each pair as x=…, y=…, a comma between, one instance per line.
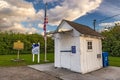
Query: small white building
x=77, y=47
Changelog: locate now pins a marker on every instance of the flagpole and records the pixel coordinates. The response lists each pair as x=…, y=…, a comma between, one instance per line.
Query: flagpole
x=45, y=37
x=45, y=48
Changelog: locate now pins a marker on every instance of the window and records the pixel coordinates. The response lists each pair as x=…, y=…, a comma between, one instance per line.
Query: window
x=89, y=45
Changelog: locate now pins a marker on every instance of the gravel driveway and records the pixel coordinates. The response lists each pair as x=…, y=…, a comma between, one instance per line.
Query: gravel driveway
x=24, y=73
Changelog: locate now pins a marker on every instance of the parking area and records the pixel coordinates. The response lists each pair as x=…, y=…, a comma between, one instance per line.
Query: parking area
x=108, y=73
x=24, y=73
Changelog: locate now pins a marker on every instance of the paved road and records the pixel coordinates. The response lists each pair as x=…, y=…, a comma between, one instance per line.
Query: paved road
x=24, y=73
x=109, y=73
x=48, y=72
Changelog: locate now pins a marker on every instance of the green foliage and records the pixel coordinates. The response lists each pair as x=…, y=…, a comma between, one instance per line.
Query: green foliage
x=7, y=40
x=111, y=42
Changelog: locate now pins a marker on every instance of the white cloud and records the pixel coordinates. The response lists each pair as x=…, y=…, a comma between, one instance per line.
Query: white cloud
x=32, y=30
x=3, y=4
x=68, y=9
x=11, y=8
x=106, y=24
x=16, y=27
x=42, y=33
x=49, y=1
x=40, y=25
x=13, y=12
x=71, y=10
x=110, y=24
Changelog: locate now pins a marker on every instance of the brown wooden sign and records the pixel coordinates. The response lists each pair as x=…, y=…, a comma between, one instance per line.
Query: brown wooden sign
x=18, y=45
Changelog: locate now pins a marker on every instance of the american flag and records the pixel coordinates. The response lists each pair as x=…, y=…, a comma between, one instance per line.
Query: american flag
x=45, y=21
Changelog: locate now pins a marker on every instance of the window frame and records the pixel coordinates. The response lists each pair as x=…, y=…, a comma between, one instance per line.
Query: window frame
x=89, y=45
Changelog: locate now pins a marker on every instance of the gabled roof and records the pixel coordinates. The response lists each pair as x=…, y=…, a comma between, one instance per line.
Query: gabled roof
x=82, y=28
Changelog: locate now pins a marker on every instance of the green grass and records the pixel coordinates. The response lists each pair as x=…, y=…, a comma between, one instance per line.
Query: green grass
x=114, y=61
x=5, y=60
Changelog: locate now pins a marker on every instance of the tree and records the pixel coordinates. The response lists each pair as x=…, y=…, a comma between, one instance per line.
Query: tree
x=111, y=42
x=7, y=40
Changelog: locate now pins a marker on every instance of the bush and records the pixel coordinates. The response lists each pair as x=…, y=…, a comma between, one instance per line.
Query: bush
x=111, y=42
x=7, y=40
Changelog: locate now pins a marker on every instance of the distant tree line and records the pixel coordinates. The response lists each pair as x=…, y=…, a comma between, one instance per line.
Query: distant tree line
x=111, y=41
x=8, y=38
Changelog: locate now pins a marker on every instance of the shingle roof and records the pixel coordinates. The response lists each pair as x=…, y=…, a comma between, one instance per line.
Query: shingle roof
x=83, y=29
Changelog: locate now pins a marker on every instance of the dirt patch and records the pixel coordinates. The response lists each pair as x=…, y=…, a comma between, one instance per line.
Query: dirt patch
x=24, y=73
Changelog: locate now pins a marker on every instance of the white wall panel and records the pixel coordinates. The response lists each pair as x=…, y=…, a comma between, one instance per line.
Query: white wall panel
x=89, y=60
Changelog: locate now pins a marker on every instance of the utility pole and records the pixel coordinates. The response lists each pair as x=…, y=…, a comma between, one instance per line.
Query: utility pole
x=94, y=24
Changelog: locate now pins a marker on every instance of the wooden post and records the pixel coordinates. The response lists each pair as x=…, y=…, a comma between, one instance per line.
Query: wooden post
x=18, y=55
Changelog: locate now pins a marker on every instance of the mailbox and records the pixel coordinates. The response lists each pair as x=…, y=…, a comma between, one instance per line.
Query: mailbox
x=105, y=59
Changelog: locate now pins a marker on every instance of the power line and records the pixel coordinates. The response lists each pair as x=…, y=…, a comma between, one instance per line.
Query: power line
x=108, y=18
x=96, y=22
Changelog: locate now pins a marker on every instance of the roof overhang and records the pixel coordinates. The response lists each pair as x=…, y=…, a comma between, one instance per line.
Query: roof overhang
x=60, y=31
x=91, y=36
x=64, y=30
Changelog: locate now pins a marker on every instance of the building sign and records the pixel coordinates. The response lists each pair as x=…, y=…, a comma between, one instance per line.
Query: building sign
x=73, y=49
x=18, y=45
x=36, y=51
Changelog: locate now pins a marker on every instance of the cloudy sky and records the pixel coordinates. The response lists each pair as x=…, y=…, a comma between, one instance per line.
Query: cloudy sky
x=27, y=16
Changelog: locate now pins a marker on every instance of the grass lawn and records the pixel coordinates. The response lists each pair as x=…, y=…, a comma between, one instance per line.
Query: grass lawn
x=5, y=60
x=114, y=61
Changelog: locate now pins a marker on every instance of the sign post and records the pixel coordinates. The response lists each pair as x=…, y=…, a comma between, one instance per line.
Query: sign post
x=18, y=55
x=18, y=46
x=36, y=50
